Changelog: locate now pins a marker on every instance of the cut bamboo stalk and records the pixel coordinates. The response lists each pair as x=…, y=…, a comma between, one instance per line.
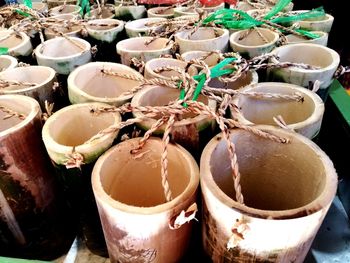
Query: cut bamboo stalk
x=287, y=189
x=31, y=224
x=67, y=135
x=136, y=220
x=304, y=117
x=33, y=81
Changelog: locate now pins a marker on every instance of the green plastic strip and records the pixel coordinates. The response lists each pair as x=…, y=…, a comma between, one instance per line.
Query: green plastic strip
x=22, y=13
x=85, y=7
x=215, y=72
x=277, y=8
x=341, y=99
x=28, y=3
x=314, y=13
x=4, y=51
x=18, y=260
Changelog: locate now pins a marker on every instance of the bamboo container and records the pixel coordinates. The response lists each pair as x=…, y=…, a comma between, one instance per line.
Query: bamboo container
x=53, y=3
x=67, y=136
x=7, y=62
x=88, y=84
x=321, y=40
x=73, y=31
x=127, y=11
x=249, y=43
x=287, y=190
x=141, y=27
x=204, y=39
x=33, y=222
x=18, y=45
x=33, y=81
x=192, y=131
x=184, y=10
x=104, y=34
x=248, y=78
x=63, y=55
x=244, y=6
x=106, y=11
x=304, y=117
x=40, y=7
x=155, y=63
x=326, y=59
x=136, y=220
x=105, y=30
x=137, y=47
x=161, y=11
x=209, y=58
x=65, y=9
x=323, y=23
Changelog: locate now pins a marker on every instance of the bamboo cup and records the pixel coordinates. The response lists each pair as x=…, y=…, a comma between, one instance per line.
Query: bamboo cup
x=33, y=222
x=287, y=190
x=304, y=116
x=138, y=222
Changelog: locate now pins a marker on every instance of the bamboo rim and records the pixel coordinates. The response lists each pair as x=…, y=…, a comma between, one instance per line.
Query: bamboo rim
x=201, y=121
x=73, y=87
x=317, y=103
x=31, y=71
x=320, y=202
x=30, y=108
x=187, y=193
x=333, y=56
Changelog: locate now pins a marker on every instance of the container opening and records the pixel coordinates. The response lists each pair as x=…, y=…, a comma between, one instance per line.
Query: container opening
x=244, y=80
x=75, y=126
x=106, y=13
x=139, y=44
x=34, y=75
x=53, y=48
x=296, y=39
x=253, y=38
x=157, y=63
x=312, y=55
x=163, y=11
x=93, y=82
x=62, y=29
x=161, y=96
x=137, y=181
x=9, y=40
x=64, y=9
x=274, y=176
x=4, y=63
x=20, y=106
x=201, y=34
x=262, y=111
x=102, y=24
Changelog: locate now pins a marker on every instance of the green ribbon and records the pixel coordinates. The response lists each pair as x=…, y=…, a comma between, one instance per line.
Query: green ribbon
x=4, y=50
x=237, y=19
x=277, y=8
x=25, y=14
x=85, y=7
x=314, y=13
x=28, y=3
x=215, y=72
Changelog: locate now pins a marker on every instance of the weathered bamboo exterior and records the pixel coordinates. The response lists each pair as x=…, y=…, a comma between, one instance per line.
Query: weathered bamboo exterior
x=287, y=190
x=32, y=221
x=135, y=216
